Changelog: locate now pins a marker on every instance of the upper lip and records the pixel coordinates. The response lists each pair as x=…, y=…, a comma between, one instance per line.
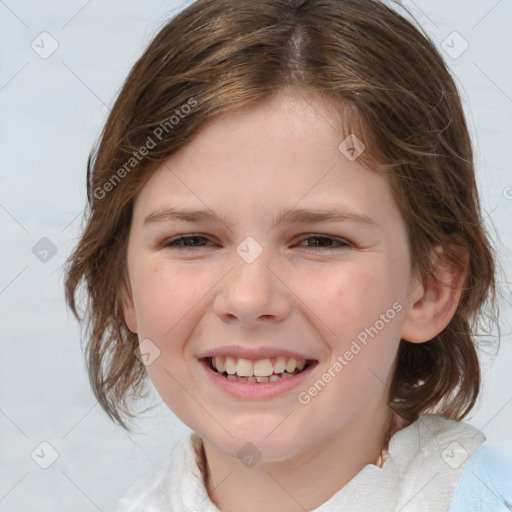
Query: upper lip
x=254, y=353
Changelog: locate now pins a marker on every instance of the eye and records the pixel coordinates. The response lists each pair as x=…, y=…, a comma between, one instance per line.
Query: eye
x=312, y=242
x=187, y=242
x=324, y=242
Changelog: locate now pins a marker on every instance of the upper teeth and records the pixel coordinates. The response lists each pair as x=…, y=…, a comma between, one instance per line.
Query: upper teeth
x=260, y=368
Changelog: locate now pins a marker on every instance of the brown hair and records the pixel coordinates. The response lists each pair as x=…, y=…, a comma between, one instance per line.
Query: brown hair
x=394, y=93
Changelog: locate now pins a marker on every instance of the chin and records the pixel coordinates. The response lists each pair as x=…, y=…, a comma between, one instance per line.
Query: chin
x=264, y=442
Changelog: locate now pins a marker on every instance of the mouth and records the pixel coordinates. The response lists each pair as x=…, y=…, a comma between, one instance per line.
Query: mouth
x=261, y=371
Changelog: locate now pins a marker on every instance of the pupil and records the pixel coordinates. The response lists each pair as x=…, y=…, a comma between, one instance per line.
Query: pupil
x=320, y=241
x=193, y=240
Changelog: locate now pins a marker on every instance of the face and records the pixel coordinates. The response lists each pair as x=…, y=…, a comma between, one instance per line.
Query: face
x=269, y=277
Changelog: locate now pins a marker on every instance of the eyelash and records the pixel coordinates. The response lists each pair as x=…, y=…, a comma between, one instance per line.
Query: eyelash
x=178, y=243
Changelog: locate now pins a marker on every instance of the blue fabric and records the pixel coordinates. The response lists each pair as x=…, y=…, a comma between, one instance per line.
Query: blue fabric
x=486, y=484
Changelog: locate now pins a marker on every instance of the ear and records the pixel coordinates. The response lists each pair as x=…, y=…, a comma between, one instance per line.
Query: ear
x=434, y=301
x=129, y=312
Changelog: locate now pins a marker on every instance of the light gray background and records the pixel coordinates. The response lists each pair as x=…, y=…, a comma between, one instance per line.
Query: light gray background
x=51, y=112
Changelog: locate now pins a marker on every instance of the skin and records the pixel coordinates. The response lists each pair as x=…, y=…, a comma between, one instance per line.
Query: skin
x=246, y=167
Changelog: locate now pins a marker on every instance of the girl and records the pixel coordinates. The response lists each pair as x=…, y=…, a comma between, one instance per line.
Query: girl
x=284, y=233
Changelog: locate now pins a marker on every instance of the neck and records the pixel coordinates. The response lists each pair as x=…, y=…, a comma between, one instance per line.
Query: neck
x=301, y=482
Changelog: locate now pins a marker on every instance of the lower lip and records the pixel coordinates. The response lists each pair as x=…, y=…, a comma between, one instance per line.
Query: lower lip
x=250, y=390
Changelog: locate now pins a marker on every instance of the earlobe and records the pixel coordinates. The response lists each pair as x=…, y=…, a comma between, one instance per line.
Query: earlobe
x=434, y=301
x=128, y=306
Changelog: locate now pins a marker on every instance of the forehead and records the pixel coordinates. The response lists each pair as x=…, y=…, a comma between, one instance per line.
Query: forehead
x=275, y=154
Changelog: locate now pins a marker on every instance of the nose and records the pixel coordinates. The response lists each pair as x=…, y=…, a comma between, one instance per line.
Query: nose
x=252, y=295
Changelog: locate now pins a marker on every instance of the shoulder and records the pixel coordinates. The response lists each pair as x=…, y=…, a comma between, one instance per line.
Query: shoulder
x=435, y=440
x=157, y=490
x=430, y=455
x=486, y=483
x=441, y=429
x=151, y=490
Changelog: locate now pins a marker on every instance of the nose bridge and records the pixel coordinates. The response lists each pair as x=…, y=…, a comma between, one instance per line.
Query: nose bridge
x=251, y=292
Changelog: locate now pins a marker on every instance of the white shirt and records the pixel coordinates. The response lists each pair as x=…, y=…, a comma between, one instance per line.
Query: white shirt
x=424, y=464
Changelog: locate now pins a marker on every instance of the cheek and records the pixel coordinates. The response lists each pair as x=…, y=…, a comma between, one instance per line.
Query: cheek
x=360, y=312
x=168, y=302
x=165, y=297
x=349, y=300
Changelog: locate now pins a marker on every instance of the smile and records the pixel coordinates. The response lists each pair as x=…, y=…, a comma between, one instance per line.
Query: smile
x=259, y=371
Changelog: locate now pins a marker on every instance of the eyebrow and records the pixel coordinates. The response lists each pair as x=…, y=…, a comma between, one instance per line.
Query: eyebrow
x=286, y=216
x=187, y=215
x=305, y=215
